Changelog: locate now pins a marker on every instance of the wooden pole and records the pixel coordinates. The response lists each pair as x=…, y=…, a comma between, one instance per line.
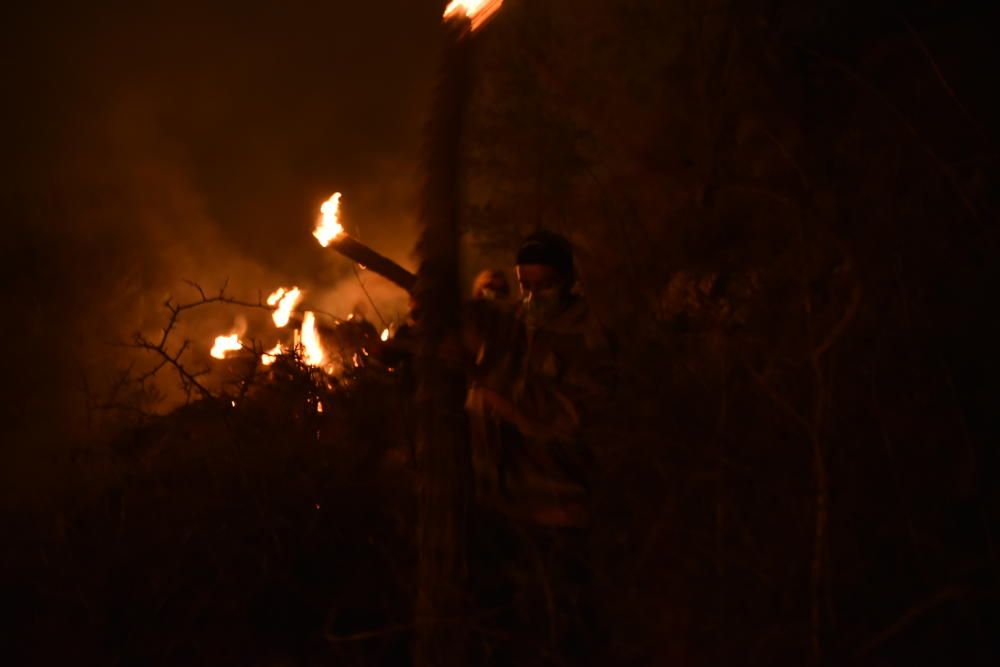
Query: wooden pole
x=443, y=455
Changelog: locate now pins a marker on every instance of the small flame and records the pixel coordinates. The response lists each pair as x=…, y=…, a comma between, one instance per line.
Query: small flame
x=312, y=348
x=477, y=11
x=319, y=407
x=271, y=355
x=329, y=226
x=385, y=335
x=285, y=301
x=224, y=344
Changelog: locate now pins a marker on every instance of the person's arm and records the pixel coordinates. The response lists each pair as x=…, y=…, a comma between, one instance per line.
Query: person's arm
x=559, y=423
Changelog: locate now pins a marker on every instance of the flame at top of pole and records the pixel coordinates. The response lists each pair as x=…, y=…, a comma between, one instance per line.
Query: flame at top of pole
x=477, y=11
x=329, y=226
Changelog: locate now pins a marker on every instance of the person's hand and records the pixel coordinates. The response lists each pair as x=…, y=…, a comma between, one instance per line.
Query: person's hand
x=489, y=402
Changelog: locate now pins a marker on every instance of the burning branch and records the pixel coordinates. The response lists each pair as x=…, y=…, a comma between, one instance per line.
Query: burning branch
x=189, y=379
x=330, y=234
x=310, y=353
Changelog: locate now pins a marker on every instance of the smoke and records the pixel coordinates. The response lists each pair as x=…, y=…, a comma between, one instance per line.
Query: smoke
x=156, y=145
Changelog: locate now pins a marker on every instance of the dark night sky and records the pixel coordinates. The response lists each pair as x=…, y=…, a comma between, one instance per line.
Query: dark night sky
x=259, y=110
x=146, y=143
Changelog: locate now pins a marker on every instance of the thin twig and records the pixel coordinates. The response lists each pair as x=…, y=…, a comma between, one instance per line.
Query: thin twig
x=357, y=274
x=908, y=617
x=922, y=45
x=907, y=125
x=849, y=313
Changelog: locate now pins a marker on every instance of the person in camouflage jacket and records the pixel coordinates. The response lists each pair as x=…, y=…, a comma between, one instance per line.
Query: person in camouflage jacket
x=545, y=369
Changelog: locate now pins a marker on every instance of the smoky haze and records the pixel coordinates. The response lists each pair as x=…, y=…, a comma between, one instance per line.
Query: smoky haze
x=152, y=143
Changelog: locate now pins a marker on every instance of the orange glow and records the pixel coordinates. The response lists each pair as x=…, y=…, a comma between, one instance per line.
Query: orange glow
x=329, y=226
x=224, y=344
x=271, y=355
x=477, y=11
x=385, y=335
x=319, y=407
x=312, y=347
x=285, y=300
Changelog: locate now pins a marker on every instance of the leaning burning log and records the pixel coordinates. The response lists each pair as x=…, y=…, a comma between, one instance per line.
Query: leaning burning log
x=353, y=249
x=331, y=234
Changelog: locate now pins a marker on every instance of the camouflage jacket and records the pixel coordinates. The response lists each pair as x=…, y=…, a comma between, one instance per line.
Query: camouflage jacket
x=530, y=454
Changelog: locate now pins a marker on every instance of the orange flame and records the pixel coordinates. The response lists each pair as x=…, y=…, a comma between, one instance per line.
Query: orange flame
x=271, y=355
x=312, y=347
x=329, y=226
x=477, y=11
x=285, y=300
x=385, y=335
x=224, y=344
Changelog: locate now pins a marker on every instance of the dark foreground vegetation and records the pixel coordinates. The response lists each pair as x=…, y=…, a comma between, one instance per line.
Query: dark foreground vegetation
x=224, y=533
x=787, y=215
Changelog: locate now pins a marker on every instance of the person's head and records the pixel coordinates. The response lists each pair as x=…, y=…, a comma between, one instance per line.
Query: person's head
x=414, y=310
x=545, y=271
x=491, y=285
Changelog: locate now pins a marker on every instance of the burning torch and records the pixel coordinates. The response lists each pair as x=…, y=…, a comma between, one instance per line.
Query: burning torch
x=330, y=234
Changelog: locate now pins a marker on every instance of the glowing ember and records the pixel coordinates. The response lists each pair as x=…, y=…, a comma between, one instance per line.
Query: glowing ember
x=312, y=348
x=224, y=344
x=329, y=226
x=271, y=355
x=285, y=301
x=319, y=407
x=385, y=335
x=477, y=11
